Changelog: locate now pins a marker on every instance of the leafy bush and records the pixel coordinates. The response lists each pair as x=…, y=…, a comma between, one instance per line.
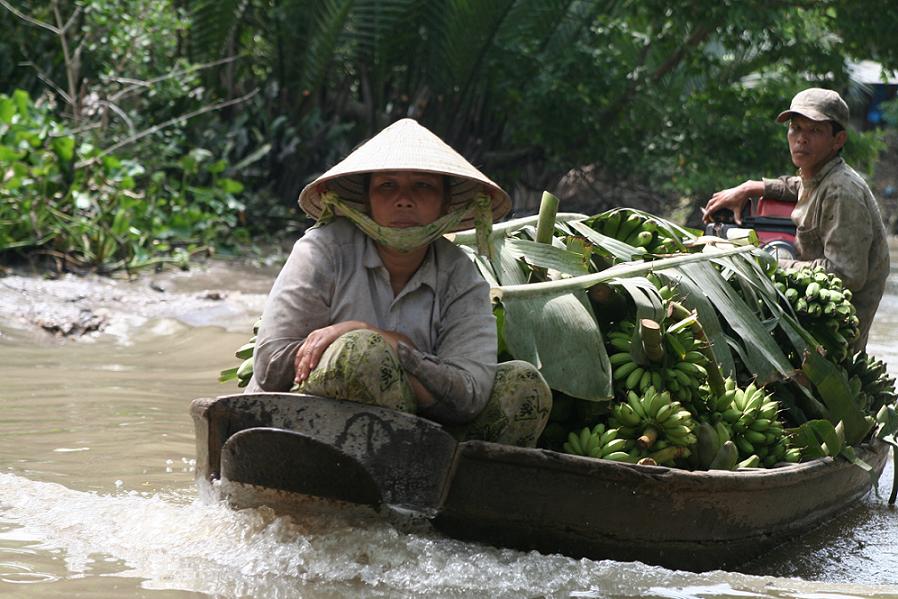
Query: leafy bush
x=88, y=210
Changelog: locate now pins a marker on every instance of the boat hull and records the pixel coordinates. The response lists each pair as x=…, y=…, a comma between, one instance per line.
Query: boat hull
x=535, y=499
x=518, y=497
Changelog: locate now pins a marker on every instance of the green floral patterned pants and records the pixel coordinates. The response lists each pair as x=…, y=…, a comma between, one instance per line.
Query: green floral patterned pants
x=361, y=366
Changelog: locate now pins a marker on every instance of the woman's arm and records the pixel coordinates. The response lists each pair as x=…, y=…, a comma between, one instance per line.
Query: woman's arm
x=298, y=304
x=459, y=374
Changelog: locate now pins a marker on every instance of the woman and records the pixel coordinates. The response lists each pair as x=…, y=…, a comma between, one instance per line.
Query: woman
x=374, y=305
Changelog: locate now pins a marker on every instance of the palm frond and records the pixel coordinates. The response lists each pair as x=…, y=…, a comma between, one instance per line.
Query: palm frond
x=213, y=24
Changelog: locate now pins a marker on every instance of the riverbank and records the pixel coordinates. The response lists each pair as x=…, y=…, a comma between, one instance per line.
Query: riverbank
x=225, y=293
x=229, y=293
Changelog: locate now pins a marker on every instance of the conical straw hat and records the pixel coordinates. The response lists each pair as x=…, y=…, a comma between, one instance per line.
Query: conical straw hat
x=404, y=145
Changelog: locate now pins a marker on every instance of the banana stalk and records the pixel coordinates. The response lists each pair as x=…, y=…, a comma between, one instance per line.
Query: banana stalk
x=548, y=208
x=544, y=288
x=469, y=236
x=652, y=340
x=545, y=226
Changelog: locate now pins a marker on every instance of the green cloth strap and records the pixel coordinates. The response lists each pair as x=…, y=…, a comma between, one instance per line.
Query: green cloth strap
x=406, y=239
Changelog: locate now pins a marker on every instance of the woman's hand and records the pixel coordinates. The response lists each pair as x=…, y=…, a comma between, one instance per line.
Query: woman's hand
x=309, y=353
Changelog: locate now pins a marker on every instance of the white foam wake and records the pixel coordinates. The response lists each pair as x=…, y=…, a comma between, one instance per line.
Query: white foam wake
x=324, y=552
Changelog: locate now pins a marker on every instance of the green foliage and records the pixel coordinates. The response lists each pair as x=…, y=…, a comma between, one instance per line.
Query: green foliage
x=67, y=200
x=680, y=98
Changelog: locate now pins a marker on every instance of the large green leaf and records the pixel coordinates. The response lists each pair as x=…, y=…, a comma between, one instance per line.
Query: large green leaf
x=644, y=295
x=762, y=355
x=508, y=227
x=626, y=269
x=752, y=275
x=559, y=335
x=835, y=392
x=695, y=299
x=505, y=264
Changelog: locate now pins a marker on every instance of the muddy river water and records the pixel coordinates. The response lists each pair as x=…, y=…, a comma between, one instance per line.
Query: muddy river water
x=98, y=499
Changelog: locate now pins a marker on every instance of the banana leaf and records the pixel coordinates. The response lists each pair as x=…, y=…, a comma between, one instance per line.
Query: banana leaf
x=506, y=266
x=560, y=336
x=468, y=237
x=648, y=305
x=672, y=229
x=695, y=299
x=835, y=392
x=753, y=277
x=620, y=270
x=551, y=324
x=819, y=438
x=645, y=297
x=620, y=250
x=760, y=352
x=548, y=256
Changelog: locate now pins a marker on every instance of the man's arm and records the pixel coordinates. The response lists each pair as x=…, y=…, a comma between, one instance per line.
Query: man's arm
x=782, y=188
x=735, y=198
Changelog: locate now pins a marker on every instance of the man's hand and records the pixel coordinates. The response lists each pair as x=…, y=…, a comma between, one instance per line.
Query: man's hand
x=733, y=198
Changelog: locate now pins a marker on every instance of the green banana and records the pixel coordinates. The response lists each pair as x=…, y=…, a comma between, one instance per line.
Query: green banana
x=634, y=377
x=623, y=371
x=246, y=351
x=612, y=224
x=726, y=458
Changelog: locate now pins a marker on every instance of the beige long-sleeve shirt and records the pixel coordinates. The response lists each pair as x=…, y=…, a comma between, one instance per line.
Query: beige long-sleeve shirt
x=839, y=227
x=334, y=274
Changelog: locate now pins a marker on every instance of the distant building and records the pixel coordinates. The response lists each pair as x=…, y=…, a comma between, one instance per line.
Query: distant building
x=879, y=86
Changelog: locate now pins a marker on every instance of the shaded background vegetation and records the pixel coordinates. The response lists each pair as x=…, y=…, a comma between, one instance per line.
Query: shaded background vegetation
x=196, y=124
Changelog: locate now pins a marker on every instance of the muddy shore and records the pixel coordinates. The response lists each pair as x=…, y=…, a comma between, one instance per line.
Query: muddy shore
x=221, y=293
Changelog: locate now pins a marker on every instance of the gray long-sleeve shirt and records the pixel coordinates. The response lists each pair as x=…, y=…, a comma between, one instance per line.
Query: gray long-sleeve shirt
x=334, y=274
x=839, y=227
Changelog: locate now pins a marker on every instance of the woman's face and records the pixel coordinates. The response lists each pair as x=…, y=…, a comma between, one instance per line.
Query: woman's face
x=405, y=198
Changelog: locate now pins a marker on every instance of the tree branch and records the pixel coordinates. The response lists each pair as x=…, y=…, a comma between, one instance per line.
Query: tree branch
x=27, y=18
x=700, y=34
x=136, y=84
x=161, y=126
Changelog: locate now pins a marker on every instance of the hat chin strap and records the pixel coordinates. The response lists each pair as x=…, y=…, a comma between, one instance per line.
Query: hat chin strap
x=402, y=239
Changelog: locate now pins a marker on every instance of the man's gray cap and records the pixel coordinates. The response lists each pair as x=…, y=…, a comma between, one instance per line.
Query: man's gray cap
x=818, y=105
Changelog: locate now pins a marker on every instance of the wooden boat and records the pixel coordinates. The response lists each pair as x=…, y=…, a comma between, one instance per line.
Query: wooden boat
x=517, y=497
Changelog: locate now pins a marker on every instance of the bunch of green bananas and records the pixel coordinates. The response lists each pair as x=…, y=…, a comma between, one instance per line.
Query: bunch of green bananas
x=869, y=378
x=244, y=372
x=599, y=442
x=638, y=230
x=682, y=372
x=750, y=416
x=653, y=421
x=823, y=306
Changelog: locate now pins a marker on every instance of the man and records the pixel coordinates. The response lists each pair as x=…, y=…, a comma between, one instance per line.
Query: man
x=837, y=218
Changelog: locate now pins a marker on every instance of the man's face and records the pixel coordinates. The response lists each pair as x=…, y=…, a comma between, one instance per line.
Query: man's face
x=405, y=198
x=812, y=143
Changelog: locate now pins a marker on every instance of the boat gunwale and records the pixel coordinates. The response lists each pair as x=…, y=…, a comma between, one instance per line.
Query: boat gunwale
x=747, y=478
